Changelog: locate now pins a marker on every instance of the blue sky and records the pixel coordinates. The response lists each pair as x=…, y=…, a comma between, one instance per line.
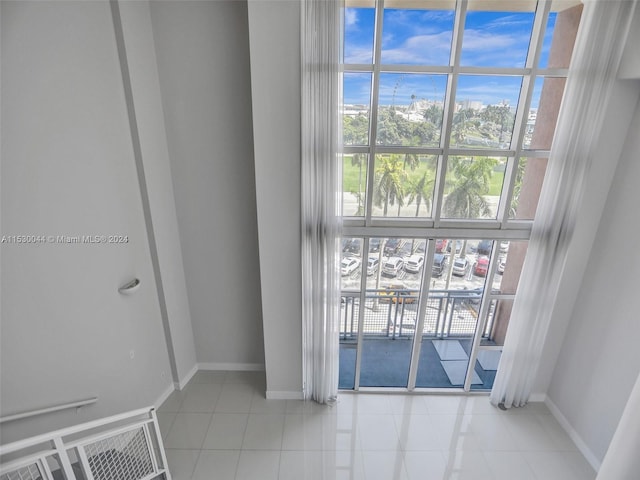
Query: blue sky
x=423, y=37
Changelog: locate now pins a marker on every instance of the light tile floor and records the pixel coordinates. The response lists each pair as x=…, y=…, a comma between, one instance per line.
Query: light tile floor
x=220, y=427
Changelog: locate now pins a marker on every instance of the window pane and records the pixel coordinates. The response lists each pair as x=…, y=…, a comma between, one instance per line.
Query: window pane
x=354, y=180
x=393, y=285
x=351, y=263
x=499, y=315
x=527, y=187
x=496, y=39
x=510, y=260
x=473, y=186
x=403, y=185
x=351, y=270
x=410, y=109
x=543, y=115
x=548, y=37
x=485, y=111
x=357, y=95
x=417, y=37
x=358, y=34
x=458, y=277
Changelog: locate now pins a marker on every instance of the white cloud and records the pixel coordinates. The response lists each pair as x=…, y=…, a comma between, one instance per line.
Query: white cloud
x=432, y=49
x=350, y=17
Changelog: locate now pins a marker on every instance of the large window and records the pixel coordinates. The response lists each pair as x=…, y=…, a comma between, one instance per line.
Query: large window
x=448, y=118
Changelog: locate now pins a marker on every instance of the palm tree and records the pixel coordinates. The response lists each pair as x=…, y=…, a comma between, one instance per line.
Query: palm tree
x=411, y=161
x=357, y=159
x=391, y=178
x=421, y=191
x=470, y=184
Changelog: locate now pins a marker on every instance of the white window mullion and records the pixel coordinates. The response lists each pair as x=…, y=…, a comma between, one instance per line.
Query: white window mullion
x=524, y=104
x=449, y=107
x=373, y=114
x=361, y=310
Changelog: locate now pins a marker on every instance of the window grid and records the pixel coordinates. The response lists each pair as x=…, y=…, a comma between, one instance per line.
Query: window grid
x=529, y=73
x=501, y=226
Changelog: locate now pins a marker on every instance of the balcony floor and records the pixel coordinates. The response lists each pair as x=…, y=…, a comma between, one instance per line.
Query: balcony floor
x=385, y=363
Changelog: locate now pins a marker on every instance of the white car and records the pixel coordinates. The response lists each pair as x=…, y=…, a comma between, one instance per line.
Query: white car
x=414, y=264
x=372, y=265
x=460, y=267
x=392, y=266
x=349, y=265
x=501, y=265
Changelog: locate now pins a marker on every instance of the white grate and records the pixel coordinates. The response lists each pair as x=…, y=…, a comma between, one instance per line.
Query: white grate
x=30, y=472
x=124, y=456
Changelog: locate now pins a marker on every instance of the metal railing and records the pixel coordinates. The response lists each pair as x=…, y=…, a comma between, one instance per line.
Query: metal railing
x=55, y=408
x=393, y=313
x=121, y=447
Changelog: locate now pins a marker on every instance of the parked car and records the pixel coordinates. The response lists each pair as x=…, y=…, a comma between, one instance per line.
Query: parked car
x=414, y=264
x=372, y=265
x=392, y=246
x=472, y=297
x=481, y=267
x=392, y=266
x=353, y=247
x=458, y=244
x=349, y=265
x=503, y=260
x=397, y=294
x=484, y=247
x=504, y=246
x=439, y=264
x=460, y=267
x=441, y=245
x=421, y=248
x=374, y=245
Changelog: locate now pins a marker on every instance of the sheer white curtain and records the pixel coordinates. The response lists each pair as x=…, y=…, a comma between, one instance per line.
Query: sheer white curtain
x=321, y=201
x=591, y=79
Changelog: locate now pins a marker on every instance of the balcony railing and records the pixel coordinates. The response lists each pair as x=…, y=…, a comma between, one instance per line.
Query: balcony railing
x=393, y=313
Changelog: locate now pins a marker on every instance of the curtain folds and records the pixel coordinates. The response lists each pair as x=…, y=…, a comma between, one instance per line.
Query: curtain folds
x=591, y=80
x=321, y=200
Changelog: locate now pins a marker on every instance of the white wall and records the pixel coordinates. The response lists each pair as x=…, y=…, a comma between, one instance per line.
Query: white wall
x=274, y=32
x=132, y=23
x=599, y=360
x=68, y=169
x=202, y=50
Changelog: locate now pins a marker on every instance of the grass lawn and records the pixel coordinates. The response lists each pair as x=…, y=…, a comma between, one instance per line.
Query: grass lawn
x=352, y=175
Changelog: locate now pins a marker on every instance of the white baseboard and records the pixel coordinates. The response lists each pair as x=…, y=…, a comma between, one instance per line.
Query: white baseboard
x=184, y=380
x=273, y=395
x=538, y=397
x=161, y=399
x=577, y=439
x=240, y=367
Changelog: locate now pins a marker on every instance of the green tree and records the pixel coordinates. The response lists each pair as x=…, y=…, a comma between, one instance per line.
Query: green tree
x=355, y=129
x=391, y=178
x=433, y=114
x=461, y=126
x=468, y=186
x=387, y=129
x=358, y=160
x=421, y=192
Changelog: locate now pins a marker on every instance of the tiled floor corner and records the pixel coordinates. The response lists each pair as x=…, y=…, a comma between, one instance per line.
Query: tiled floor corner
x=221, y=427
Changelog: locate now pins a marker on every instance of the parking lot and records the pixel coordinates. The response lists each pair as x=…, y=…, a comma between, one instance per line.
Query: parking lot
x=404, y=249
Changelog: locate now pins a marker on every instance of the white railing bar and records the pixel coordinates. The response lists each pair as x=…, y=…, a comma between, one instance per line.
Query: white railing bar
x=48, y=437
x=55, y=408
x=84, y=461
x=63, y=456
x=108, y=433
x=24, y=461
x=163, y=456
